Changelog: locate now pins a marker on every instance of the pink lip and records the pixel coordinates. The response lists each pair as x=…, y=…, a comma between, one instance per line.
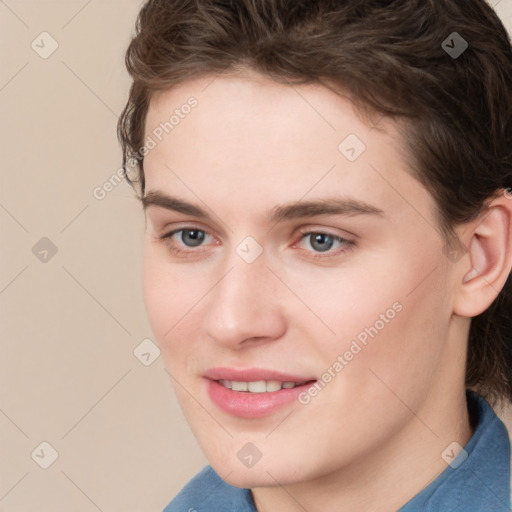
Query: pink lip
x=252, y=405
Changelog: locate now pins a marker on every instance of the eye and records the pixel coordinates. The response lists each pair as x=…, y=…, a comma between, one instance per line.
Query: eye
x=184, y=241
x=319, y=242
x=191, y=237
x=188, y=241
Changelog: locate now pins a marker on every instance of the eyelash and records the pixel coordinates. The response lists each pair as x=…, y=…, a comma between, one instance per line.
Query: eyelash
x=344, y=242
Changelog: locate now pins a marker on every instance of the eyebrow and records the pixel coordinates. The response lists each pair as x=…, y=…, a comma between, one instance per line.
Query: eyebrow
x=296, y=210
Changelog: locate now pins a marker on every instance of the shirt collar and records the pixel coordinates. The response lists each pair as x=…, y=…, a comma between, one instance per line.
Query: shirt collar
x=481, y=483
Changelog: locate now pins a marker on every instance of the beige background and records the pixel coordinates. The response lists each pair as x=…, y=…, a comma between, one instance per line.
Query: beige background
x=70, y=323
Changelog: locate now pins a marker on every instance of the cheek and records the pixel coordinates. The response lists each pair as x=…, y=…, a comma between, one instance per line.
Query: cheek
x=400, y=359
x=168, y=295
x=156, y=284
x=392, y=318
x=356, y=302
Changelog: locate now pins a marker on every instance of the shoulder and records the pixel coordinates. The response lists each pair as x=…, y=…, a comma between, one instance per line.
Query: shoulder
x=207, y=492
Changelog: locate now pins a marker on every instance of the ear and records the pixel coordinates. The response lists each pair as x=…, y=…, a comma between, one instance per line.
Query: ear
x=488, y=240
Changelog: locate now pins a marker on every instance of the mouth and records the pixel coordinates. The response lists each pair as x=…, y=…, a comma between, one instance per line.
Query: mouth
x=259, y=386
x=253, y=393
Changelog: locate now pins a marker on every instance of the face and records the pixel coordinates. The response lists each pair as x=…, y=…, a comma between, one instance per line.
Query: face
x=290, y=256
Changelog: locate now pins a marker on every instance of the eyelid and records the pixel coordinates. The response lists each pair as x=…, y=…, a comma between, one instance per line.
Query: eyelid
x=345, y=235
x=169, y=234
x=332, y=231
x=166, y=227
x=163, y=220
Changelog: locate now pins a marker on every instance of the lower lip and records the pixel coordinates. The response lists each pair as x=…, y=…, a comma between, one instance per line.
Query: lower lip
x=245, y=404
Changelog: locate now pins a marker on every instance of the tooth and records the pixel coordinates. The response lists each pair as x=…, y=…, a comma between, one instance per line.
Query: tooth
x=238, y=386
x=273, y=385
x=258, y=386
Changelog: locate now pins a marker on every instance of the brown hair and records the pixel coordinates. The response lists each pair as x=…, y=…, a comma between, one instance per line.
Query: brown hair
x=394, y=57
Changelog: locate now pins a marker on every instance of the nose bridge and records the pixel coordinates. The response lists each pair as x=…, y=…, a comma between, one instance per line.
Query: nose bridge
x=243, y=304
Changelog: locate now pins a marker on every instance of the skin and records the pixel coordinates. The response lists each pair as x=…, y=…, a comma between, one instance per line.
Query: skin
x=373, y=437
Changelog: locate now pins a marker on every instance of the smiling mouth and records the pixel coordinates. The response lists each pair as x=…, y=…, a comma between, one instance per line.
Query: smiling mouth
x=259, y=386
x=249, y=395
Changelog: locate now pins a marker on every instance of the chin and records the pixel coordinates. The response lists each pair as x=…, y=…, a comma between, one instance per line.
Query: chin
x=252, y=478
x=268, y=473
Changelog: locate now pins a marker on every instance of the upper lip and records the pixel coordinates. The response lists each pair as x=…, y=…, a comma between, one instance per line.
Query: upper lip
x=252, y=375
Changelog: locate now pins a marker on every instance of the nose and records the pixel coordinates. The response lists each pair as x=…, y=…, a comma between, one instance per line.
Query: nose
x=245, y=307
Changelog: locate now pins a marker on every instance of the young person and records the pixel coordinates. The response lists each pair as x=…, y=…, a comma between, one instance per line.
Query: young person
x=328, y=202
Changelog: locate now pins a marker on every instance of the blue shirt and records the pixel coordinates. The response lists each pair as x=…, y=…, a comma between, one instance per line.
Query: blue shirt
x=481, y=483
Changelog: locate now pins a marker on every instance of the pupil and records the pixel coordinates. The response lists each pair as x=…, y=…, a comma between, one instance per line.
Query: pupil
x=192, y=237
x=322, y=242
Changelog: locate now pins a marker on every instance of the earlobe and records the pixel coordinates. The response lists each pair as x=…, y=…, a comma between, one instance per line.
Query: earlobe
x=489, y=245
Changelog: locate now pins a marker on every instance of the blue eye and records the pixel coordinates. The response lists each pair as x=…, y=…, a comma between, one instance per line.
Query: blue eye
x=184, y=241
x=318, y=242
x=321, y=242
x=191, y=237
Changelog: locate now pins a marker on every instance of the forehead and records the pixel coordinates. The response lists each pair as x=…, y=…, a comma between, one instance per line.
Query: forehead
x=251, y=139
x=246, y=92
x=265, y=109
